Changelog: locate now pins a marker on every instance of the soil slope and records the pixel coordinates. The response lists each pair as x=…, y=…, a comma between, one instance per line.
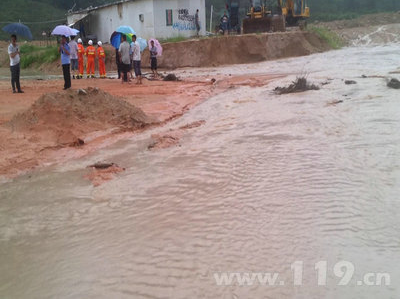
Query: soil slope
x=239, y=49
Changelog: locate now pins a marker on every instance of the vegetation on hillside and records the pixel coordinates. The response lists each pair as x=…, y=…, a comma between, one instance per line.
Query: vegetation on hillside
x=32, y=55
x=333, y=40
x=39, y=15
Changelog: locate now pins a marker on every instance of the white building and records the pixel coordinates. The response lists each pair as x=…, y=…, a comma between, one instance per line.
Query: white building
x=149, y=18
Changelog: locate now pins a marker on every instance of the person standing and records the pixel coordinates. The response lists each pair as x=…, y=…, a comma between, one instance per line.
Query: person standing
x=65, y=61
x=81, y=53
x=153, y=58
x=91, y=55
x=137, y=60
x=197, y=22
x=13, y=52
x=224, y=23
x=74, y=56
x=101, y=55
x=125, y=59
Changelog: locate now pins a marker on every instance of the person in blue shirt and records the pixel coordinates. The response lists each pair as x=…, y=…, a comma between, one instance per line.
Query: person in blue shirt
x=65, y=61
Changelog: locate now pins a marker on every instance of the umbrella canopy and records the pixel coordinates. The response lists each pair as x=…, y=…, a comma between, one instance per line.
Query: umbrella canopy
x=63, y=30
x=115, y=39
x=18, y=29
x=142, y=43
x=76, y=31
x=125, y=30
x=157, y=45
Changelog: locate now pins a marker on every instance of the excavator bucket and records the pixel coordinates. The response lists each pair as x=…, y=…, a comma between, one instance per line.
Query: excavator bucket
x=268, y=23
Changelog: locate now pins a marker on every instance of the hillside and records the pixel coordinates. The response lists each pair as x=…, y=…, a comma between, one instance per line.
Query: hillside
x=39, y=15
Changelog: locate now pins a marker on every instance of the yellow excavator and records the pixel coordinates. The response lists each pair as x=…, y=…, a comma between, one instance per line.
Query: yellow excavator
x=275, y=16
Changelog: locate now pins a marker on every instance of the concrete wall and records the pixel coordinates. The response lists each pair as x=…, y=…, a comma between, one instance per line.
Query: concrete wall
x=103, y=21
x=183, y=25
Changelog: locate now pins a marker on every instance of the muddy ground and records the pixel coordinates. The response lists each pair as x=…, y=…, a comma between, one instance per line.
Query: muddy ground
x=29, y=142
x=46, y=125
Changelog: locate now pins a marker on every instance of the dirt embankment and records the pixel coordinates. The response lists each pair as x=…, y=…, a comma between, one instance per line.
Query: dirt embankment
x=222, y=50
x=237, y=49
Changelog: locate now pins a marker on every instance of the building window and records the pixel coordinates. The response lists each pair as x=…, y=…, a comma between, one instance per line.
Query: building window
x=169, y=17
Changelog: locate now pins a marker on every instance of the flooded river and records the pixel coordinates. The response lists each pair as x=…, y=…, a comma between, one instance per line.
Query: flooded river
x=293, y=184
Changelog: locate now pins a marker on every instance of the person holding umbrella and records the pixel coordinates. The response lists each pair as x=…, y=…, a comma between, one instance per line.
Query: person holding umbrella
x=64, y=50
x=13, y=52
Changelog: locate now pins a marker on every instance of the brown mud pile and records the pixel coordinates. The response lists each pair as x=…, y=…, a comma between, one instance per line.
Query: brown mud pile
x=61, y=120
x=66, y=118
x=237, y=49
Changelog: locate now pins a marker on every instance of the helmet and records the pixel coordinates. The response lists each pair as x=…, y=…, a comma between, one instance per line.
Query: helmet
x=99, y=43
x=79, y=41
x=90, y=42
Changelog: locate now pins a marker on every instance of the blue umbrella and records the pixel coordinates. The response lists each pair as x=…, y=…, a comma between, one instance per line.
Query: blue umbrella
x=18, y=29
x=142, y=43
x=63, y=30
x=115, y=39
x=125, y=30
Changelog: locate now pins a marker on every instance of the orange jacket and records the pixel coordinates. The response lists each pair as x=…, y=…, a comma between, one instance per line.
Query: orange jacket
x=90, y=52
x=81, y=51
x=101, y=53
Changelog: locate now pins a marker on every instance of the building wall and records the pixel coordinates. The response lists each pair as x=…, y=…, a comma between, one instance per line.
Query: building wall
x=103, y=21
x=183, y=12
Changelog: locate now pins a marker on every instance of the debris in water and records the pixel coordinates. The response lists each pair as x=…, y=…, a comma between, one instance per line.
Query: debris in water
x=334, y=103
x=349, y=82
x=299, y=85
x=100, y=165
x=170, y=77
x=394, y=83
x=103, y=172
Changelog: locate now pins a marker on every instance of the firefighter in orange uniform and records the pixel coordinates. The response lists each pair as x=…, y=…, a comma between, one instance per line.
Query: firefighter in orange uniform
x=101, y=55
x=91, y=55
x=81, y=53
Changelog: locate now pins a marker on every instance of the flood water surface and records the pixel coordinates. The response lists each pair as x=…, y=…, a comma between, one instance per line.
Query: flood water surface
x=303, y=185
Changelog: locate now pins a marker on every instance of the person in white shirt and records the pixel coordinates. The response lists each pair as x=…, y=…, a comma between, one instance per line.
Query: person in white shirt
x=13, y=52
x=74, y=56
x=137, y=60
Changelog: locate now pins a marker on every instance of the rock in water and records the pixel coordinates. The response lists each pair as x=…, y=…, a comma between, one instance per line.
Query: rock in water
x=394, y=83
x=170, y=77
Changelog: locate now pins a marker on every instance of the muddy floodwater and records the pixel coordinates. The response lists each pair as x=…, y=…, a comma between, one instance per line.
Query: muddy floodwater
x=302, y=185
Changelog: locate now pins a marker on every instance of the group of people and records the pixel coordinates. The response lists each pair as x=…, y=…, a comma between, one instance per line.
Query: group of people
x=72, y=59
x=128, y=58
x=73, y=55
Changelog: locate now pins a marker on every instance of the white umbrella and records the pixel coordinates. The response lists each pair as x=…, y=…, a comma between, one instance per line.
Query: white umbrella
x=63, y=30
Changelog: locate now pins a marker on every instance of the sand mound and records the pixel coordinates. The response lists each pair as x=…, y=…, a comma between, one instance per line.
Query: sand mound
x=67, y=117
